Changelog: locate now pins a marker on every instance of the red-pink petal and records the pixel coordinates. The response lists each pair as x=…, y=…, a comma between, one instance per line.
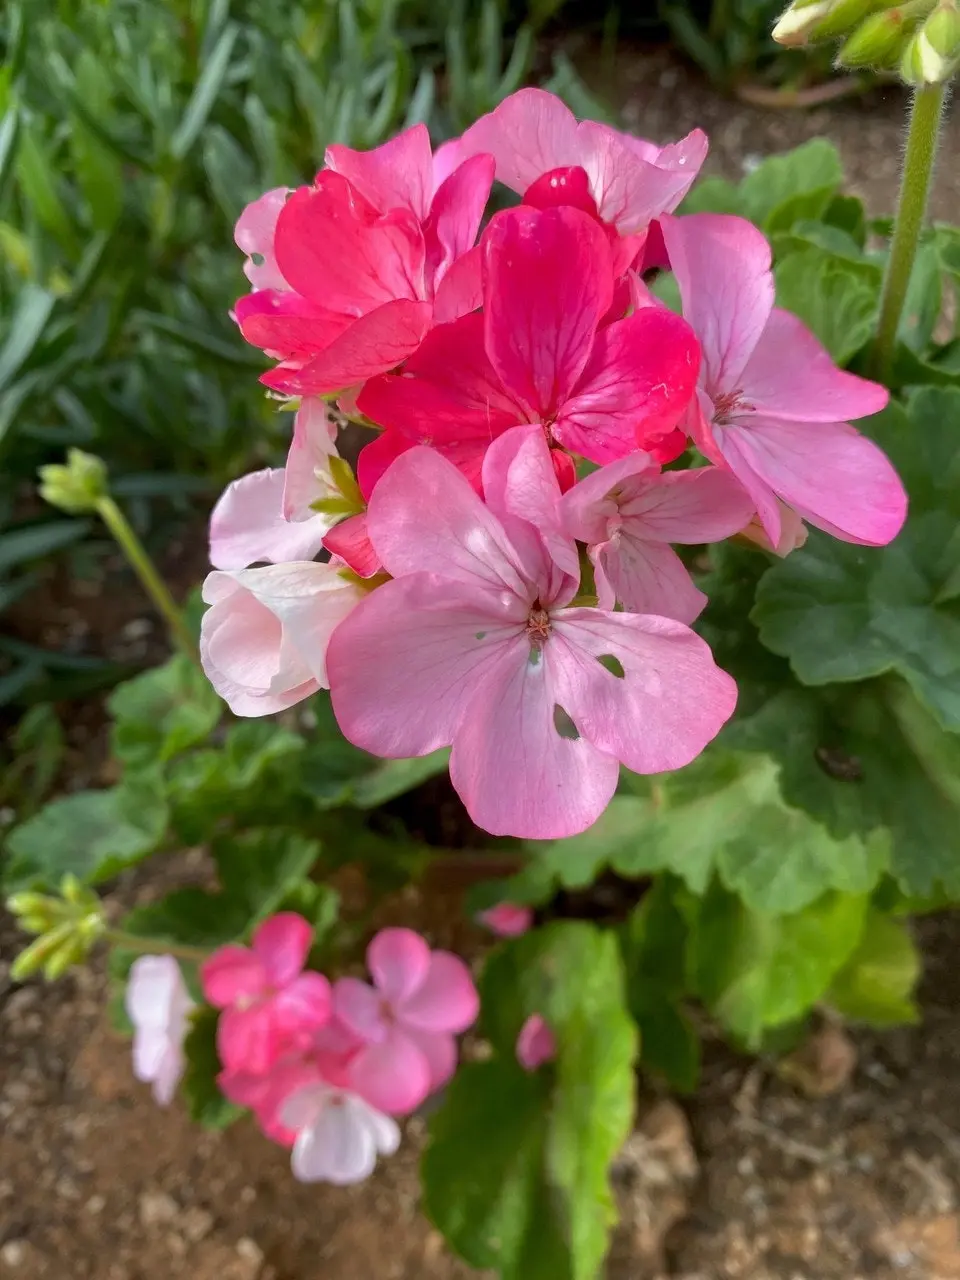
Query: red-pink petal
x=507, y=919
x=282, y=943
x=536, y=1043
x=304, y=1005
x=287, y=326
x=455, y=214
x=548, y=279
x=461, y=290
x=248, y=1040
x=231, y=974
x=445, y=998
x=351, y=542
x=400, y=961
x=399, y=173
x=394, y=1076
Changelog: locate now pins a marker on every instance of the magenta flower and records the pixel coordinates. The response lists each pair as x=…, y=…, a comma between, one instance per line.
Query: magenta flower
x=354, y=269
x=539, y=353
x=263, y=640
x=269, y=1004
x=475, y=644
x=773, y=407
x=407, y=1020
x=159, y=1006
x=536, y=1043
x=507, y=919
x=628, y=513
x=540, y=148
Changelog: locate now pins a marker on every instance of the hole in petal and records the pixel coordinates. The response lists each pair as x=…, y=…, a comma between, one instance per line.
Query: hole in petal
x=563, y=724
x=257, y=259
x=612, y=664
x=480, y=635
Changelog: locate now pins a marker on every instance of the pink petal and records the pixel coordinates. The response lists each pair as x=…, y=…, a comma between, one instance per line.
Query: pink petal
x=703, y=505
x=287, y=326
x=670, y=702
x=424, y=516
x=334, y=248
x=400, y=962
x=168, y=1074
x=248, y=1040
x=444, y=999
x=155, y=990
x=807, y=387
x=461, y=289
x=282, y=943
x=375, y=342
x=646, y=577
x=359, y=1008
x=722, y=265
x=247, y=524
x=313, y=443
x=440, y=1051
x=593, y=503
x=456, y=213
x=404, y=665
x=397, y=174
x=548, y=279
x=640, y=377
x=831, y=475
x=511, y=767
x=529, y=133
x=393, y=1076
x=304, y=1005
x=635, y=181
x=507, y=919
x=536, y=1043
x=231, y=974
x=254, y=234
x=350, y=541
x=448, y=389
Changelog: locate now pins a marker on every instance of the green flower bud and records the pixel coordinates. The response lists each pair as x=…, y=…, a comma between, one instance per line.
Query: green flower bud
x=796, y=23
x=877, y=42
x=74, y=951
x=933, y=53
x=42, y=949
x=77, y=487
x=35, y=906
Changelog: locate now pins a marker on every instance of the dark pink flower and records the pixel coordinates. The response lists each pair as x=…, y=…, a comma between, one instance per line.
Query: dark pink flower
x=536, y=1043
x=507, y=919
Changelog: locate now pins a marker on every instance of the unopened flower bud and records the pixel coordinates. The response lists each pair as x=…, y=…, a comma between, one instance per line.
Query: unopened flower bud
x=932, y=55
x=796, y=23
x=877, y=42
x=73, y=951
x=40, y=951
x=76, y=487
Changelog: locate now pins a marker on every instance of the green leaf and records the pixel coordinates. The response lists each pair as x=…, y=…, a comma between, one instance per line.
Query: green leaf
x=259, y=869
x=38, y=175
x=836, y=298
x=9, y=130
x=205, y=1103
x=162, y=712
x=713, y=195
x=391, y=778
x=205, y=93
x=98, y=167
x=756, y=971
x=32, y=542
x=876, y=984
x=785, y=188
x=26, y=327
x=92, y=834
x=533, y=1200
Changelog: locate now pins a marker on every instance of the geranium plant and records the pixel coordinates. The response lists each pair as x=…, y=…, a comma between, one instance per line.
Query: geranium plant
x=614, y=553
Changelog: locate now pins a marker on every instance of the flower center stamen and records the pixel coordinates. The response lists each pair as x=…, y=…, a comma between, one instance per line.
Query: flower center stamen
x=727, y=405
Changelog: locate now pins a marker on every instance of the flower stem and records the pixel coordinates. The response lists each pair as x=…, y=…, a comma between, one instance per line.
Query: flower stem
x=155, y=946
x=922, y=137
x=143, y=566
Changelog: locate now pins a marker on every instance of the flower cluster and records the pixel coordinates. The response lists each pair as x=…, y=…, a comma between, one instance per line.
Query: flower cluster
x=324, y=1068
x=500, y=575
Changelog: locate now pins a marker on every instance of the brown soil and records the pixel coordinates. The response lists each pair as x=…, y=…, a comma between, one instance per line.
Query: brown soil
x=752, y=1178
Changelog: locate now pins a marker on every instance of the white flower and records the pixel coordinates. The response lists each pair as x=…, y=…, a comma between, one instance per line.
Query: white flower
x=339, y=1136
x=159, y=1007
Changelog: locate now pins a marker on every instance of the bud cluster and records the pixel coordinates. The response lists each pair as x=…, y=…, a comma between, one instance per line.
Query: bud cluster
x=67, y=928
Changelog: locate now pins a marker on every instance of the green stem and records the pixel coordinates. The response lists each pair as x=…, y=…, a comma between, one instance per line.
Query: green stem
x=143, y=566
x=922, y=137
x=155, y=946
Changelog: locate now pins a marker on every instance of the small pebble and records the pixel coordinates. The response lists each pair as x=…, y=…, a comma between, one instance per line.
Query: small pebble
x=13, y=1253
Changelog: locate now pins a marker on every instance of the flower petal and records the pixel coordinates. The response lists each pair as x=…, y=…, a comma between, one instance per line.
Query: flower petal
x=536, y=1043
x=155, y=986
x=248, y=1039
x=507, y=919
x=703, y=505
x=456, y=213
x=647, y=577
x=338, y=1148
x=231, y=974
x=400, y=961
x=445, y=998
x=254, y=234
x=350, y=542
x=722, y=265
x=282, y=943
x=527, y=134
x=304, y=1006
x=313, y=444
x=393, y=1076
x=397, y=174
x=440, y=1051
x=247, y=524
x=359, y=1008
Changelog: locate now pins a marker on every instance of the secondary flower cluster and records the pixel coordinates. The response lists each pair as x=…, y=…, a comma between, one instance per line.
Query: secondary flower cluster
x=324, y=1068
x=500, y=576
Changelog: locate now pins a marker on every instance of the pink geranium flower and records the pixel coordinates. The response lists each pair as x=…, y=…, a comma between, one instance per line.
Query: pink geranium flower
x=536, y=1043
x=538, y=353
x=545, y=155
x=407, y=1020
x=269, y=1005
x=772, y=406
x=263, y=640
x=629, y=512
x=507, y=919
x=475, y=643
x=354, y=269
x=159, y=1006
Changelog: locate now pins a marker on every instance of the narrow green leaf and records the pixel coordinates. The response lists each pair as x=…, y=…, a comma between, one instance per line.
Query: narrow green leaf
x=29, y=319
x=205, y=93
x=32, y=542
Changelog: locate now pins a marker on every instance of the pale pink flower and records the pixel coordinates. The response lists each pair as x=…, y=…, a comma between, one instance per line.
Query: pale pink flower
x=159, y=1006
x=773, y=407
x=407, y=1020
x=263, y=640
x=475, y=644
x=269, y=1004
x=539, y=353
x=507, y=919
x=629, y=512
x=338, y=1135
x=254, y=234
x=536, y=1043
x=539, y=147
